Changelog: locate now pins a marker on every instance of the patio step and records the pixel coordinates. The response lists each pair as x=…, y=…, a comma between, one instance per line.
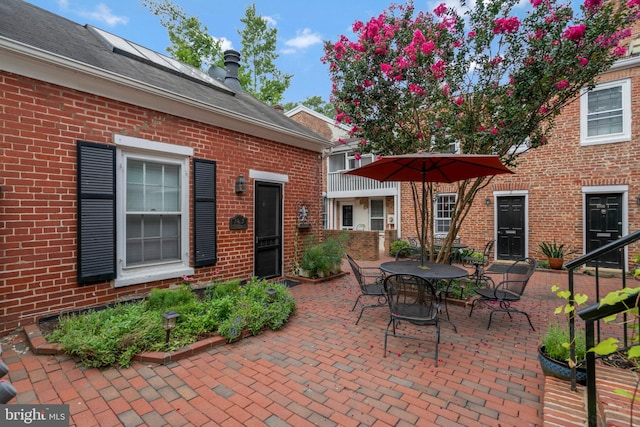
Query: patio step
x=565, y=408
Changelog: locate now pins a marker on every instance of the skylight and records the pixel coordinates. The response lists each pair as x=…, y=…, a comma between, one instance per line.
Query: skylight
x=141, y=53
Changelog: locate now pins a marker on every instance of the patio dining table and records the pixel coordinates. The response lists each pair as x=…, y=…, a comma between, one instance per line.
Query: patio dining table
x=434, y=273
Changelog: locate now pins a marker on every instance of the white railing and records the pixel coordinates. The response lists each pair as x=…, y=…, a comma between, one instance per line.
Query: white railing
x=342, y=185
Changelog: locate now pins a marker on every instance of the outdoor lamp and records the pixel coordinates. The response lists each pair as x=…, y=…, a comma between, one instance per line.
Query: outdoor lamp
x=169, y=322
x=487, y=201
x=271, y=292
x=241, y=184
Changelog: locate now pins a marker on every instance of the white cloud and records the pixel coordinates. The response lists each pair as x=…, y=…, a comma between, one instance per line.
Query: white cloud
x=270, y=21
x=302, y=40
x=225, y=43
x=102, y=13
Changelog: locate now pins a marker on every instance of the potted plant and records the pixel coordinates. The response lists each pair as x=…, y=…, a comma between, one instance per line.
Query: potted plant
x=323, y=259
x=554, y=253
x=554, y=353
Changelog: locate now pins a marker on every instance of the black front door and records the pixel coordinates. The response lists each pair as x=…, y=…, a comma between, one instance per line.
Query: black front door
x=268, y=230
x=511, y=227
x=604, y=225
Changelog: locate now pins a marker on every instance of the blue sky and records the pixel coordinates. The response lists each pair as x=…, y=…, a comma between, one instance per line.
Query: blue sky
x=302, y=28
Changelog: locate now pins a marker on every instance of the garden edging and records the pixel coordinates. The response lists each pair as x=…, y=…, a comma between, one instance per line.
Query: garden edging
x=40, y=346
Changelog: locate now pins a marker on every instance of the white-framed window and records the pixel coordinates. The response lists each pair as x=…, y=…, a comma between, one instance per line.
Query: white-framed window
x=346, y=161
x=605, y=113
x=152, y=204
x=445, y=204
x=376, y=215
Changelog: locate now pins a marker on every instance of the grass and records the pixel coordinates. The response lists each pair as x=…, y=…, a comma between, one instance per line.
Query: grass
x=112, y=336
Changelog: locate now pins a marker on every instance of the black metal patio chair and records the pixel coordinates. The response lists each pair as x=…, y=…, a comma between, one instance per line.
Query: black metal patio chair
x=370, y=280
x=412, y=299
x=500, y=297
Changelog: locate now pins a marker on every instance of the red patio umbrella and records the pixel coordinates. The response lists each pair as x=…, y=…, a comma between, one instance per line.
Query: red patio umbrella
x=431, y=167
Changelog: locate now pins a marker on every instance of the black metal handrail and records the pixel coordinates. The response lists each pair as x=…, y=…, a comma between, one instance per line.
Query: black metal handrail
x=594, y=313
x=590, y=315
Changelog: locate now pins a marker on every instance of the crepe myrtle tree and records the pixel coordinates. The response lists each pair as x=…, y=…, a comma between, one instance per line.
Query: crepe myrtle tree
x=488, y=79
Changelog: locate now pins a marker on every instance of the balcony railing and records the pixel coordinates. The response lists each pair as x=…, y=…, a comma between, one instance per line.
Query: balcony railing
x=342, y=185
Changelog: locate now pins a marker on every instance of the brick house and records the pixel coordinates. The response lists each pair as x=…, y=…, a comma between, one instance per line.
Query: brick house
x=582, y=189
x=125, y=170
x=352, y=203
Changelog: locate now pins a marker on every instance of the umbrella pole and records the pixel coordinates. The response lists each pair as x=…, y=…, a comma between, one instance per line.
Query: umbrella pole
x=423, y=256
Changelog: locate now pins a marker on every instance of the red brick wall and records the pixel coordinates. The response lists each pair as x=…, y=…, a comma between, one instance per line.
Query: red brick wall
x=554, y=176
x=40, y=126
x=363, y=245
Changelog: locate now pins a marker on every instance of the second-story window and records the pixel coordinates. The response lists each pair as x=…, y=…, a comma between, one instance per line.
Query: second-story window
x=347, y=160
x=605, y=113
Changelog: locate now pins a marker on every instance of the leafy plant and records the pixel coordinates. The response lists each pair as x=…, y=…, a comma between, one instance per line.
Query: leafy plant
x=325, y=257
x=397, y=246
x=112, y=336
x=556, y=343
x=552, y=250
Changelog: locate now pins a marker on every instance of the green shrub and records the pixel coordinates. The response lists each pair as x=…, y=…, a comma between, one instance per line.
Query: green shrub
x=556, y=343
x=114, y=335
x=398, y=245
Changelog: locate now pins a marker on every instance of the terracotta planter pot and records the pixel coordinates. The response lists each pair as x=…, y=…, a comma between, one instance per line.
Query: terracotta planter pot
x=556, y=263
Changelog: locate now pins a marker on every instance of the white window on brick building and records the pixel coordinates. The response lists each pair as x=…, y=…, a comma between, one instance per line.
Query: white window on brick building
x=445, y=203
x=376, y=216
x=153, y=210
x=605, y=113
x=339, y=162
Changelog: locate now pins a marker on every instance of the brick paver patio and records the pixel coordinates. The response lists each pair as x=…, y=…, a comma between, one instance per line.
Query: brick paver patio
x=320, y=369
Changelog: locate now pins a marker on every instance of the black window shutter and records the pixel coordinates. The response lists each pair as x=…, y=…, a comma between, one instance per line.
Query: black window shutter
x=204, y=208
x=96, y=212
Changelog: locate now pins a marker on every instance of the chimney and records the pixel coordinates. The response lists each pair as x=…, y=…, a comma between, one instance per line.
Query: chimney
x=232, y=64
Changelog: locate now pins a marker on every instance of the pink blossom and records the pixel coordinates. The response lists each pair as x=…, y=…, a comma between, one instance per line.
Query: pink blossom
x=357, y=26
x=440, y=10
x=632, y=3
x=496, y=60
x=420, y=135
x=379, y=156
x=341, y=141
x=438, y=69
x=481, y=128
x=575, y=32
x=445, y=89
x=418, y=37
x=620, y=51
x=543, y=110
x=427, y=47
x=536, y=3
x=506, y=25
x=592, y=5
x=341, y=117
x=583, y=61
x=367, y=83
x=562, y=84
x=494, y=131
x=363, y=142
x=416, y=89
x=358, y=156
x=457, y=43
x=386, y=69
x=459, y=100
x=471, y=34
